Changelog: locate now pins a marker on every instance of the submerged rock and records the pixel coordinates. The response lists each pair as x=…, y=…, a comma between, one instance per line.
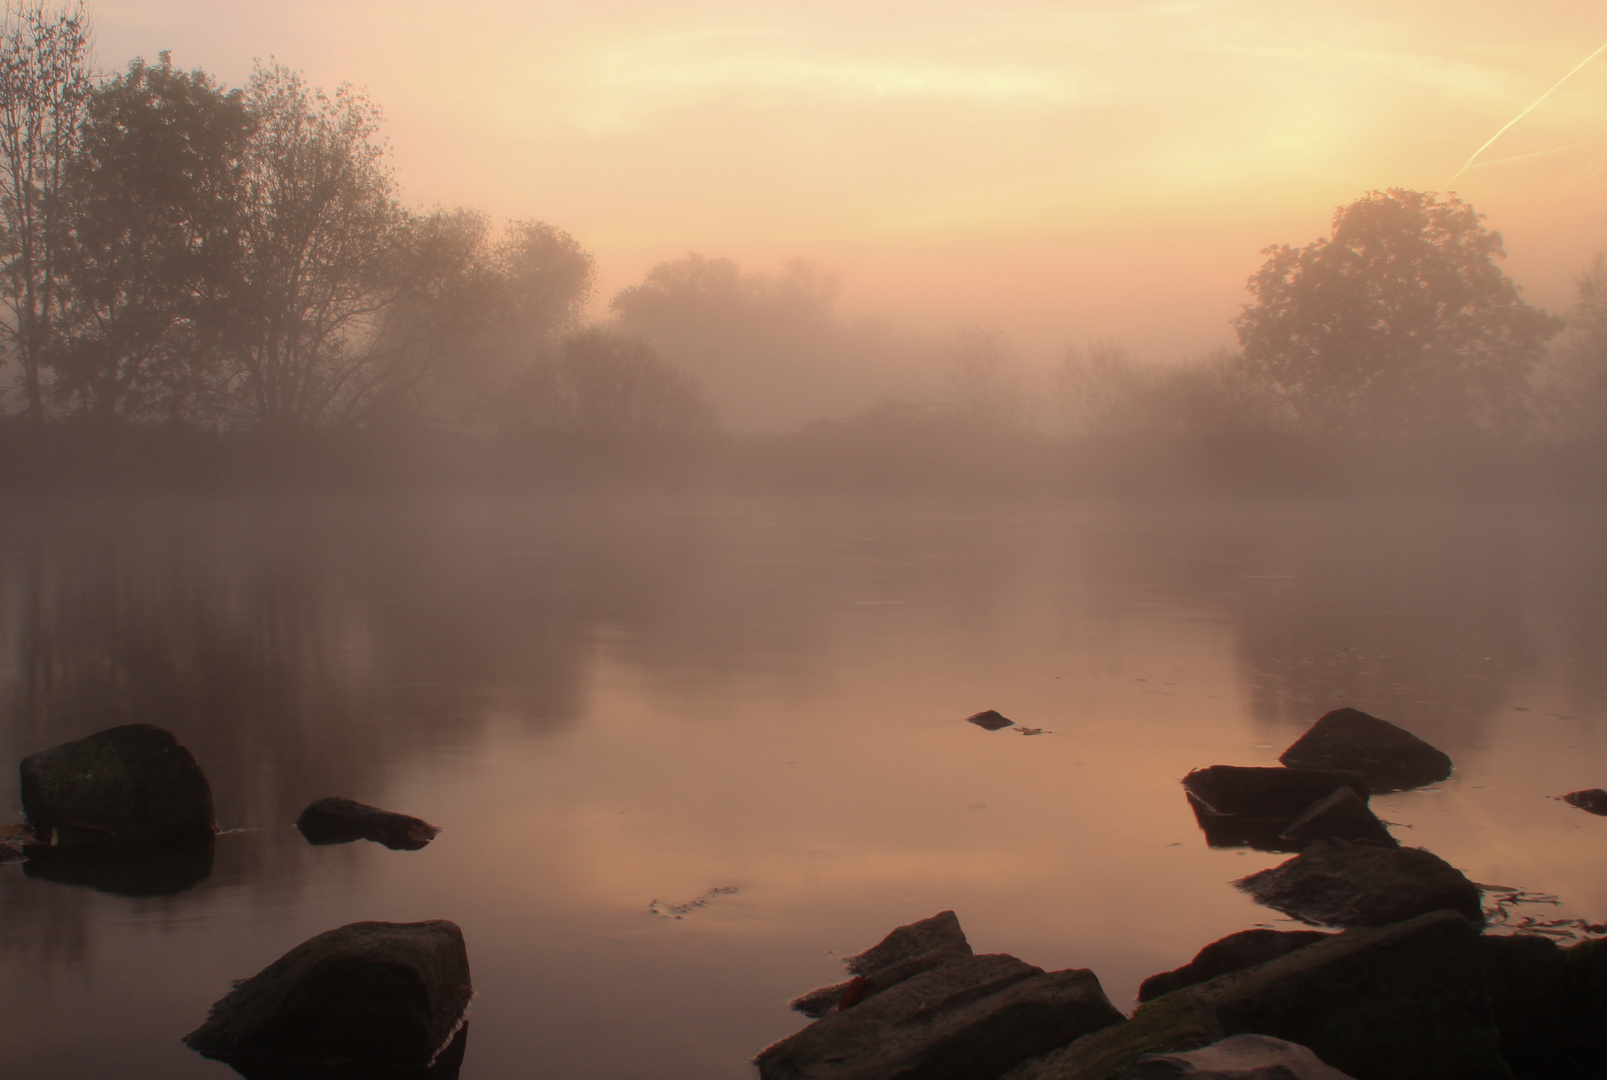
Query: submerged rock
x=369, y=993
x=1391, y=758
x=1593, y=801
x=340, y=821
x=907, y=951
x=1246, y=949
x=991, y=719
x=1334, y=883
x=1401, y=1002
x=937, y=1012
x=1238, y=1057
x=1341, y=816
x=1238, y=805
x=132, y=784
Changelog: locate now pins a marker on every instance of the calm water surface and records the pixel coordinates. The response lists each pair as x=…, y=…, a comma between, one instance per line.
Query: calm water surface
x=607, y=705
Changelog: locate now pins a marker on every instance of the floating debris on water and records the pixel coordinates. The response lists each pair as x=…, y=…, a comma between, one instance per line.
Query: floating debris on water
x=680, y=911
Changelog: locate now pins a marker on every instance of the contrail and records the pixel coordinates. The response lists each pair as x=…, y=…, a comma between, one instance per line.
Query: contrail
x=1524, y=113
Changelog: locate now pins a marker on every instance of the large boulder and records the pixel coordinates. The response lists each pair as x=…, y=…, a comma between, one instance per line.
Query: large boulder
x=1583, y=1024
x=132, y=784
x=1344, y=815
x=1246, y=949
x=907, y=951
x=123, y=869
x=369, y=994
x=1334, y=883
x=1524, y=976
x=1238, y=1057
x=340, y=821
x=1391, y=758
x=925, y=1008
x=1242, y=805
x=1401, y=1002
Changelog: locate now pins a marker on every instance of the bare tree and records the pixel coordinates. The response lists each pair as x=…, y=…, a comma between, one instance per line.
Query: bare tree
x=44, y=86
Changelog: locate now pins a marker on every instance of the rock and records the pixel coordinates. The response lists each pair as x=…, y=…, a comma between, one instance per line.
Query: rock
x=1239, y=1057
x=448, y=1066
x=1235, y=952
x=1523, y=974
x=990, y=719
x=1340, y=816
x=131, y=784
x=1334, y=883
x=1239, y=806
x=370, y=993
x=1401, y=1002
x=340, y=821
x=971, y=1018
x=1583, y=1024
x=908, y=950
x=1391, y=758
x=1593, y=801
x=123, y=869
x=11, y=854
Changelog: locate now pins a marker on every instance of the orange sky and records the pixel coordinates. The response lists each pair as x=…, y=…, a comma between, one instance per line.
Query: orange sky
x=1060, y=170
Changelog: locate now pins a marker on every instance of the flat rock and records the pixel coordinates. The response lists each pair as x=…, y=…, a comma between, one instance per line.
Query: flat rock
x=1238, y=1057
x=132, y=784
x=1239, y=805
x=369, y=994
x=1235, y=952
x=1593, y=801
x=972, y=1018
x=908, y=950
x=340, y=821
x=990, y=719
x=1391, y=758
x=1333, y=883
x=1341, y=816
x=1401, y=1002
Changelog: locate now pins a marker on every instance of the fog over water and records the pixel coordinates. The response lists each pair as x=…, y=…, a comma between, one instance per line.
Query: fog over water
x=609, y=702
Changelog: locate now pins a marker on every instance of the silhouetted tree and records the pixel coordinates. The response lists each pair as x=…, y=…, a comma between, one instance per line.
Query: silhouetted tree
x=1575, y=382
x=603, y=386
x=152, y=201
x=44, y=84
x=983, y=387
x=1399, y=323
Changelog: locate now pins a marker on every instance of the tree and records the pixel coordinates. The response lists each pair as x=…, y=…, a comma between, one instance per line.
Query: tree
x=1575, y=382
x=44, y=84
x=1398, y=324
x=153, y=207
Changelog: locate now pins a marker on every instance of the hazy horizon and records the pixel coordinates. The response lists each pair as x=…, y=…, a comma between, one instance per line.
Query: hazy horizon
x=1059, y=172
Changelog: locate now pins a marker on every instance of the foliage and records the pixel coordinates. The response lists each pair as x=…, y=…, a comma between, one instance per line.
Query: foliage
x=151, y=200
x=1574, y=383
x=1398, y=324
x=44, y=84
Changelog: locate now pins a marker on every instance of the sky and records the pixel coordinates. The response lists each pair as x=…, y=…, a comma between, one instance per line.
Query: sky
x=1058, y=170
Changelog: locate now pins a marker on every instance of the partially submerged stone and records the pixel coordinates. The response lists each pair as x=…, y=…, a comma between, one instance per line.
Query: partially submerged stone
x=1246, y=949
x=1239, y=805
x=340, y=821
x=132, y=784
x=1391, y=758
x=1593, y=801
x=990, y=719
x=972, y=1018
x=907, y=951
x=1334, y=883
x=1341, y=816
x=369, y=993
x=1401, y=1002
x=1238, y=1057
x=123, y=869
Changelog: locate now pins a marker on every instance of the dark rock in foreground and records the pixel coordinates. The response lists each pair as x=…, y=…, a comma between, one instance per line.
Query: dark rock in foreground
x=123, y=869
x=1238, y=805
x=1593, y=801
x=340, y=821
x=1238, y=1057
x=1403, y=1002
x=1341, y=816
x=991, y=719
x=448, y=1066
x=907, y=951
x=965, y=1018
x=1333, y=883
x=1236, y=952
x=133, y=784
x=11, y=854
x=370, y=993
x=1391, y=758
